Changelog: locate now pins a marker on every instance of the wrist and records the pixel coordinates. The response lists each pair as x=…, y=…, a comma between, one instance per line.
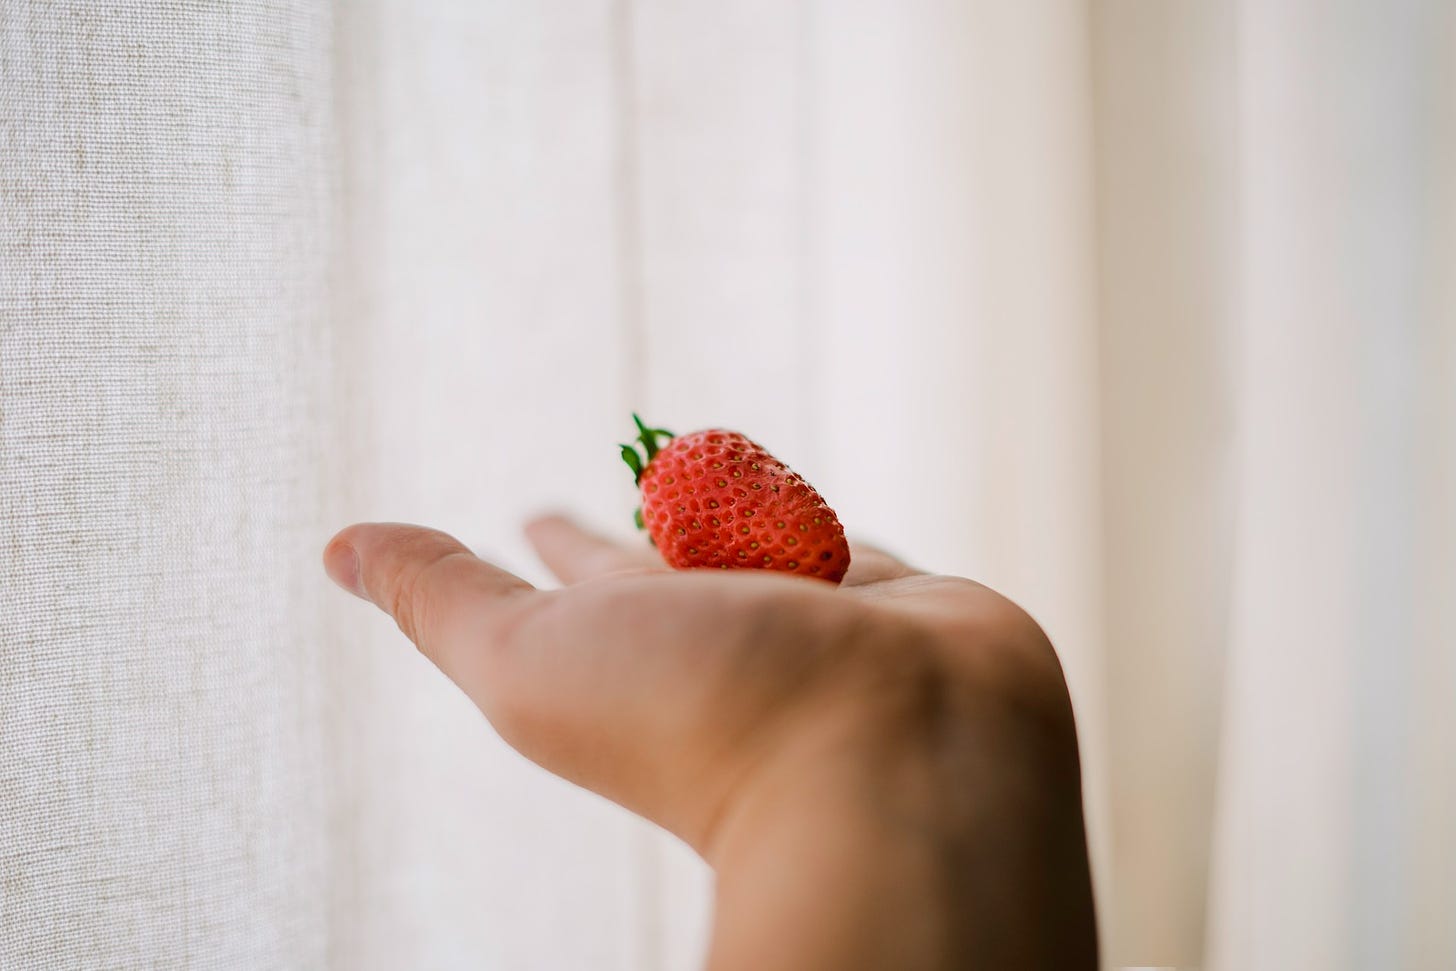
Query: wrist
x=920, y=826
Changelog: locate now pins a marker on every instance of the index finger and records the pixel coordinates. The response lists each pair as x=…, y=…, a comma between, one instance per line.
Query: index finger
x=444, y=598
x=575, y=554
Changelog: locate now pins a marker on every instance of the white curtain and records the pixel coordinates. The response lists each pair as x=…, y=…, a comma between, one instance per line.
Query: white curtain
x=1140, y=310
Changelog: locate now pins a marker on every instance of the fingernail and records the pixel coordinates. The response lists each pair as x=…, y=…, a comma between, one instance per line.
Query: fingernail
x=341, y=563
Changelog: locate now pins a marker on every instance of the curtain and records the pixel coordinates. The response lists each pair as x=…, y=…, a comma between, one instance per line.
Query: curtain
x=164, y=339
x=1139, y=310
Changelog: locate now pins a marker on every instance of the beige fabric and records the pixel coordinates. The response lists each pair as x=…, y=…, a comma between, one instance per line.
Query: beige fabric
x=1138, y=309
x=164, y=770
x=1334, y=845
x=1166, y=138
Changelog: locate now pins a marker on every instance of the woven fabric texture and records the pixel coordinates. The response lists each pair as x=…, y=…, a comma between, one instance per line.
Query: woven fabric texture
x=163, y=232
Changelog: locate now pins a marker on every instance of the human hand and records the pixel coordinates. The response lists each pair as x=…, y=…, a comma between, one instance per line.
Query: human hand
x=882, y=774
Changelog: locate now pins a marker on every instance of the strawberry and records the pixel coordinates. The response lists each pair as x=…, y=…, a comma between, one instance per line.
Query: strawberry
x=717, y=499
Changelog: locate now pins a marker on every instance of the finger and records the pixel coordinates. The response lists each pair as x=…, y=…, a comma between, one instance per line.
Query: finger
x=870, y=564
x=447, y=601
x=575, y=554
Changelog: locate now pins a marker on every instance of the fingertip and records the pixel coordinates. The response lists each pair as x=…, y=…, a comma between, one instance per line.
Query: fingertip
x=433, y=586
x=546, y=519
x=574, y=552
x=553, y=530
x=341, y=563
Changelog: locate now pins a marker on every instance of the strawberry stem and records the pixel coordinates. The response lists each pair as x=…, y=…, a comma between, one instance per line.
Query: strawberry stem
x=648, y=436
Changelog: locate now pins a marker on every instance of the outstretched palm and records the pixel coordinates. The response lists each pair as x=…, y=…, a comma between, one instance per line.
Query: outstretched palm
x=662, y=689
x=742, y=709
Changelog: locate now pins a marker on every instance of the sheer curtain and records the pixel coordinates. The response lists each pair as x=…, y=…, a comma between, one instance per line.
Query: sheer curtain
x=1140, y=311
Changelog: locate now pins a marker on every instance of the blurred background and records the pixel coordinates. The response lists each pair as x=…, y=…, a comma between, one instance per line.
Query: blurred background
x=1141, y=311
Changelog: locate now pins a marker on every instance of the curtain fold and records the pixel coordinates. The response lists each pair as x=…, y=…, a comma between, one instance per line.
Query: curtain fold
x=1165, y=133
x=1338, y=729
x=1138, y=310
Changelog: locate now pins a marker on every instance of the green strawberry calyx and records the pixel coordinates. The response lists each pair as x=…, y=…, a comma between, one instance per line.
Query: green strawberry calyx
x=648, y=439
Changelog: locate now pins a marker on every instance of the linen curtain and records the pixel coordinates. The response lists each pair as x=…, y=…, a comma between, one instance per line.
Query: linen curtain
x=1139, y=311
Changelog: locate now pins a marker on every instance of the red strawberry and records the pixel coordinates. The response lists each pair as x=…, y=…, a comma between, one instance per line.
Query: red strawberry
x=716, y=499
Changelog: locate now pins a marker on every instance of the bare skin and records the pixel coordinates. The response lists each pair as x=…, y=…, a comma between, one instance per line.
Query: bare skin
x=882, y=774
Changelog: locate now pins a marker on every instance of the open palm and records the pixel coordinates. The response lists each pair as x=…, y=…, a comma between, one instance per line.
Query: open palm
x=720, y=703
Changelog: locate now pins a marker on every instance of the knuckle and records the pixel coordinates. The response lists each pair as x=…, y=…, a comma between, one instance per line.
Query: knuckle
x=412, y=595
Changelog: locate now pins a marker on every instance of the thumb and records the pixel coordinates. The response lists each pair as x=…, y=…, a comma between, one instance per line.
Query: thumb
x=456, y=608
x=578, y=688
